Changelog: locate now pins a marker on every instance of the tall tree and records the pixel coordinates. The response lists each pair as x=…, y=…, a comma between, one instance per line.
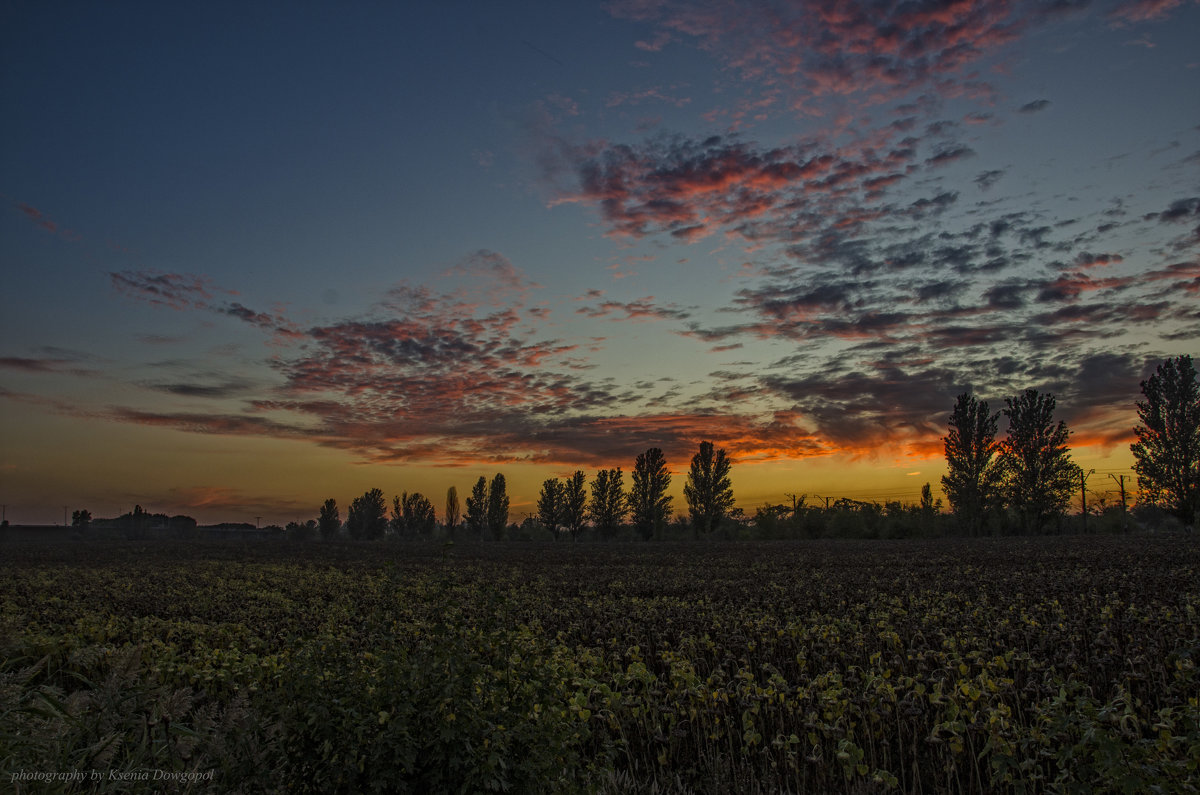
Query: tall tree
x=329, y=521
x=419, y=515
x=1167, y=452
x=497, y=507
x=396, y=524
x=549, y=505
x=574, y=503
x=708, y=491
x=649, y=502
x=1039, y=476
x=973, y=472
x=81, y=518
x=608, y=506
x=453, y=512
x=477, y=505
x=368, y=515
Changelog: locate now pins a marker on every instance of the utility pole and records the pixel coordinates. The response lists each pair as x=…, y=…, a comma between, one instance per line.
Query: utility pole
x=1083, y=476
x=1120, y=481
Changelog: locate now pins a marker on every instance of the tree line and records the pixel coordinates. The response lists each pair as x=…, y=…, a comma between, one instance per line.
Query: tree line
x=564, y=506
x=1023, y=483
x=1026, y=481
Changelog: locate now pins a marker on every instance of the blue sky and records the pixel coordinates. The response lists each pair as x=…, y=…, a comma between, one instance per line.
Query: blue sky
x=254, y=257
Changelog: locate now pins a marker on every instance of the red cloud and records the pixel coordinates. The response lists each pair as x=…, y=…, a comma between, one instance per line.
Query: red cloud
x=833, y=47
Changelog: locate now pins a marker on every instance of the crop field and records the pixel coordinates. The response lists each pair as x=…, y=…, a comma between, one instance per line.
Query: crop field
x=999, y=665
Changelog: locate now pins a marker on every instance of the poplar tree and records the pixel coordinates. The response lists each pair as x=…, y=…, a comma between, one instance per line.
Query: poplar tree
x=453, y=512
x=708, y=491
x=549, y=506
x=608, y=506
x=477, y=505
x=497, y=506
x=649, y=502
x=973, y=472
x=574, y=503
x=329, y=521
x=1039, y=476
x=1167, y=452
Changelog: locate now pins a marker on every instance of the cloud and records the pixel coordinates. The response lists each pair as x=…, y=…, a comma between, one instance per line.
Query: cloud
x=641, y=96
x=277, y=324
x=642, y=309
x=224, y=501
x=492, y=277
x=690, y=187
x=55, y=361
x=200, y=390
x=42, y=221
x=949, y=154
x=29, y=365
x=1035, y=106
x=866, y=410
x=986, y=179
x=805, y=52
x=656, y=44
x=1135, y=11
x=173, y=290
x=186, y=291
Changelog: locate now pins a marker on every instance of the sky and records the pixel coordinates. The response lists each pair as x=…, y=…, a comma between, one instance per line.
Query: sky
x=253, y=256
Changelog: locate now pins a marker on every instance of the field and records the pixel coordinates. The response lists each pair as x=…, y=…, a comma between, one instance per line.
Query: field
x=1008, y=665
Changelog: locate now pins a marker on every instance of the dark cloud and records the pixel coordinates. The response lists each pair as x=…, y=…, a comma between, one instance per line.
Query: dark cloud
x=939, y=290
x=865, y=409
x=986, y=179
x=642, y=309
x=949, y=154
x=1006, y=296
x=225, y=390
x=174, y=290
x=1035, y=106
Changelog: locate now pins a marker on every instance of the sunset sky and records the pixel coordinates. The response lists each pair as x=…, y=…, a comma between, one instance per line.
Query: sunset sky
x=253, y=257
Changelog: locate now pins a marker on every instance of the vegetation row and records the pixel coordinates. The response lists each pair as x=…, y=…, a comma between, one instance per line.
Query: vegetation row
x=991, y=665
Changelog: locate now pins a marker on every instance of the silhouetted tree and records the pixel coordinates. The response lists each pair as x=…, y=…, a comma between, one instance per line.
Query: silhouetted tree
x=368, y=515
x=497, y=507
x=1039, y=476
x=708, y=491
x=649, y=502
x=549, y=505
x=329, y=522
x=929, y=506
x=1167, y=452
x=81, y=518
x=453, y=512
x=419, y=516
x=608, y=506
x=574, y=503
x=973, y=472
x=396, y=524
x=477, y=506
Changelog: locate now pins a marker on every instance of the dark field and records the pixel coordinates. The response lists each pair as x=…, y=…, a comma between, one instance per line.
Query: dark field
x=1050, y=664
